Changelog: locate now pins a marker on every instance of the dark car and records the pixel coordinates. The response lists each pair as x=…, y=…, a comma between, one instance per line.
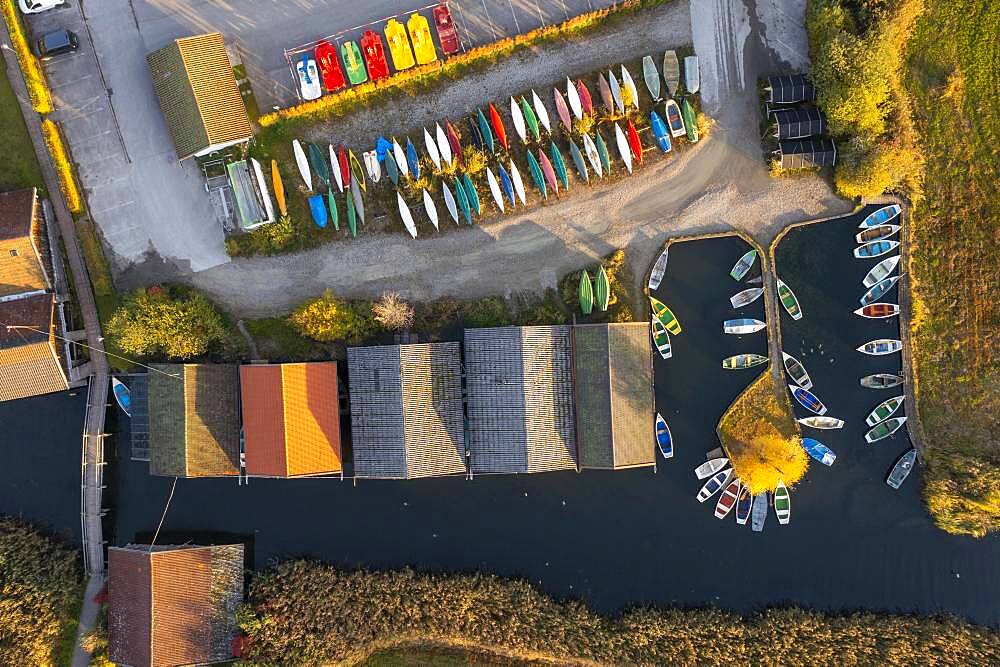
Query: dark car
x=56, y=42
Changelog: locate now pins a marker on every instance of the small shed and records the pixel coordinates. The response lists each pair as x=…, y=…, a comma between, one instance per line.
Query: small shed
x=406, y=410
x=801, y=153
x=798, y=123
x=173, y=605
x=194, y=420
x=519, y=382
x=613, y=367
x=200, y=100
x=291, y=419
x=790, y=89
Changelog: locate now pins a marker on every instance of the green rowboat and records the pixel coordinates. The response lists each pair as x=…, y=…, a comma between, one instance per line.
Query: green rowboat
x=352, y=63
x=334, y=217
x=463, y=201
x=581, y=166
x=484, y=129
x=743, y=361
x=602, y=289
x=530, y=118
x=352, y=217
x=536, y=175
x=586, y=293
x=687, y=111
x=788, y=300
x=660, y=338
x=664, y=314
x=602, y=151
x=470, y=191
x=559, y=164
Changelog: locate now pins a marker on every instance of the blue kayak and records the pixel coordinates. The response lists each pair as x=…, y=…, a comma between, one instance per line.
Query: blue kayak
x=660, y=131
x=318, y=210
x=819, y=451
x=411, y=159
x=507, y=184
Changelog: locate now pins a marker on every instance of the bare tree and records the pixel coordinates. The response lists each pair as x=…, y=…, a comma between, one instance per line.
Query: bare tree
x=392, y=312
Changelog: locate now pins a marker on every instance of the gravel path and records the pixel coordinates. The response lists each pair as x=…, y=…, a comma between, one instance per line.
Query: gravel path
x=721, y=184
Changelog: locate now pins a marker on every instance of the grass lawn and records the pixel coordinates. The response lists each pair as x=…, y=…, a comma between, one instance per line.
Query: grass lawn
x=953, y=77
x=19, y=167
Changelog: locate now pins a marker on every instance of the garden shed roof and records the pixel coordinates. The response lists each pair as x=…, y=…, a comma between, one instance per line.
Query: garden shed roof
x=790, y=89
x=799, y=123
x=799, y=153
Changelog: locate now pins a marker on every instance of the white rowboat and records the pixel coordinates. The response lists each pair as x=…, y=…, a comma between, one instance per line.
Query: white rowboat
x=881, y=271
x=710, y=467
x=659, y=268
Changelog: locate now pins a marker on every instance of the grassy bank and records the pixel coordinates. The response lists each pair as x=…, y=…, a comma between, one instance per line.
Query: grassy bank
x=953, y=65
x=38, y=88
x=19, y=167
x=303, y=612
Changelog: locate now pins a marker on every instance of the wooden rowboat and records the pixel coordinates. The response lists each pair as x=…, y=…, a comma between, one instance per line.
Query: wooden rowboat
x=664, y=439
x=602, y=289
x=881, y=381
x=710, y=467
x=743, y=265
x=659, y=268
x=789, y=300
x=881, y=216
x=878, y=290
x=743, y=325
x=876, y=233
x=807, y=399
x=819, y=451
x=884, y=429
x=825, y=423
x=881, y=271
x=884, y=410
x=741, y=361
x=902, y=469
x=671, y=70
x=881, y=346
x=875, y=249
x=661, y=339
x=796, y=371
x=782, y=504
x=652, y=77
x=715, y=482
x=665, y=315
x=877, y=311
x=743, y=504
x=758, y=514
x=727, y=501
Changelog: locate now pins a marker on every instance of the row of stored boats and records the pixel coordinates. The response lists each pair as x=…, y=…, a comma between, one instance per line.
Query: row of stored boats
x=736, y=495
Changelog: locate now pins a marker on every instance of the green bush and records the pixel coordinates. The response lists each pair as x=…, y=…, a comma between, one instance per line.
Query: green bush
x=489, y=312
x=330, y=319
x=174, y=322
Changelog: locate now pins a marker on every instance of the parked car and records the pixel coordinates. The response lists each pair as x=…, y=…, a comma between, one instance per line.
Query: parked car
x=56, y=42
x=37, y=6
x=308, y=78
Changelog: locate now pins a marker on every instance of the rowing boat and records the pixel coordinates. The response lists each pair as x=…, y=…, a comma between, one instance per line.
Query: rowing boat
x=710, y=467
x=517, y=116
x=494, y=185
x=673, y=112
x=449, y=201
x=743, y=325
x=878, y=311
x=665, y=315
x=432, y=149
x=536, y=175
x=743, y=504
x=884, y=429
x=789, y=300
x=743, y=265
x=746, y=297
x=712, y=486
x=819, y=451
x=727, y=500
x=807, y=399
x=559, y=164
x=581, y=166
x=661, y=339
x=585, y=293
x=881, y=216
x=623, y=148
x=758, y=515
x=875, y=249
x=573, y=96
x=671, y=70
x=881, y=346
x=878, y=290
x=541, y=111
x=884, y=410
x=659, y=268
x=562, y=110
x=782, y=504
x=515, y=177
x=881, y=381
x=825, y=423
x=876, y=233
x=628, y=84
x=664, y=439
x=692, y=80
x=796, y=371
x=652, y=77
x=880, y=271
x=302, y=163
x=901, y=470
x=602, y=289
x=431, y=210
x=741, y=361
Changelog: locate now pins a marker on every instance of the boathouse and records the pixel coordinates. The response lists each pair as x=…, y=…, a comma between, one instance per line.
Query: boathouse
x=803, y=153
x=613, y=370
x=194, y=420
x=201, y=103
x=173, y=605
x=798, y=123
x=519, y=382
x=291, y=419
x=406, y=410
x=790, y=89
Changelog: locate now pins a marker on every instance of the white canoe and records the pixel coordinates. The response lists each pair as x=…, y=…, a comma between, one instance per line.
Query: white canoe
x=262, y=184
x=335, y=168
x=710, y=467
x=881, y=346
x=692, y=79
x=573, y=97
x=541, y=111
x=746, y=297
x=518, y=117
x=404, y=213
x=623, y=148
x=881, y=271
x=659, y=268
x=825, y=423
x=495, y=189
x=302, y=163
x=515, y=177
x=593, y=157
x=449, y=201
x=432, y=149
x=432, y=212
x=629, y=85
x=712, y=486
x=400, y=155
x=444, y=148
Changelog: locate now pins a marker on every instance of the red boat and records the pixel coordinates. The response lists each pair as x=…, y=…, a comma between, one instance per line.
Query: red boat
x=371, y=45
x=345, y=169
x=498, y=127
x=634, y=143
x=447, y=34
x=586, y=101
x=329, y=67
x=879, y=310
x=456, y=145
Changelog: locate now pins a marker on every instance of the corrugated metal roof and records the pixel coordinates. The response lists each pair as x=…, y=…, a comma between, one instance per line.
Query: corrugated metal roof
x=791, y=89
x=799, y=123
x=520, y=399
x=799, y=153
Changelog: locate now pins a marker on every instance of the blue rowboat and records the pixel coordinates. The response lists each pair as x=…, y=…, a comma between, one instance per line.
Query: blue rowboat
x=881, y=216
x=506, y=184
x=819, y=451
x=664, y=440
x=123, y=396
x=875, y=249
x=807, y=399
x=411, y=159
x=660, y=131
x=318, y=210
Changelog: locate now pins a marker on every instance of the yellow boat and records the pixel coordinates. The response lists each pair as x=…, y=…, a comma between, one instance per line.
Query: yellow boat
x=399, y=45
x=420, y=35
x=279, y=188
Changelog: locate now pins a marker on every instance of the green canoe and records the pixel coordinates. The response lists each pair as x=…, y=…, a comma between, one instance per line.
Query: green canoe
x=530, y=118
x=602, y=289
x=318, y=164
x=689, y=120
x=602, y=150
x=352, y=217
x=560, y=165
x=470, y=191
x=391, y=168
x=665, y=316
x=586, y=294
x=352, y=63
x=463, y=201
x=581, y=166
x=334, y=218
x=536, y=175
x=484, y=129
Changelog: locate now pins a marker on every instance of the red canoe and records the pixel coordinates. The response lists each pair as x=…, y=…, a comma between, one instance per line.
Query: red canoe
x=498, y=127
x=345, y=170
x=562, y=109
x=374, y=51
x=447, y=34
x=634, y=143
x=550, y=173
x=456, y=145
x=329, y=67
x=585, y=99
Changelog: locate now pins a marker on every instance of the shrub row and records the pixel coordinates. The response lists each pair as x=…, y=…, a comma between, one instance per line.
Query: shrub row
x=38, y=88
x=63, y=165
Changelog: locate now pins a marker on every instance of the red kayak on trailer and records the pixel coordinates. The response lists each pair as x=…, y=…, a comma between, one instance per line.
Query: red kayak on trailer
x=498, y=127
x=447, y=34
x=345, y=169
x=374, y=52
x=634, y=143
x=456, y=145
x=329, y=67
x=586, y=101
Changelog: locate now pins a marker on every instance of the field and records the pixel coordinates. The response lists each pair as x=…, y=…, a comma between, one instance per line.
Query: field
x=19, y=168
x=953, y=75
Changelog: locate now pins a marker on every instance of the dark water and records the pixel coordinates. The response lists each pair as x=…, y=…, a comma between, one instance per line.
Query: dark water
x=616, y=539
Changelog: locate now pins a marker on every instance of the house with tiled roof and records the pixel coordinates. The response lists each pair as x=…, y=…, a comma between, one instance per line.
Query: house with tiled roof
x=31, y=359
x=194, y=420
x=173, y=605
x=291, y=419
x=201, y=102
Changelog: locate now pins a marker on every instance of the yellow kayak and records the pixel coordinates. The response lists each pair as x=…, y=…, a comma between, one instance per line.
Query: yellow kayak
x=399, y=45
x=420, y=35
x=279, y=188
